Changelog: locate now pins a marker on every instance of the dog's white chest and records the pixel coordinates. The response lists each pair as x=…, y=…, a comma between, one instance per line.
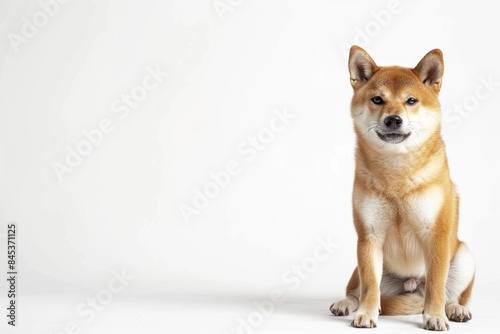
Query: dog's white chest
x=419, y=211
x=422, y=210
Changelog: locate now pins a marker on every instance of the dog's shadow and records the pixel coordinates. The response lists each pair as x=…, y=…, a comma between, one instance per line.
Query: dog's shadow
x=319, y=309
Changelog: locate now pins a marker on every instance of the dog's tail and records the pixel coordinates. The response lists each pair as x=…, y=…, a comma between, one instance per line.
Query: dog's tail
x=412, y=303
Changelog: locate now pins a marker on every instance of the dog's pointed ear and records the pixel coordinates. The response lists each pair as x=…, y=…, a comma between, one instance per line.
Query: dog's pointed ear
x=430, y=69
x=361, y=66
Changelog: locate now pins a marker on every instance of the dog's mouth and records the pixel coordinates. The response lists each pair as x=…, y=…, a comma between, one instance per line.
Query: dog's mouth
x=393, y=137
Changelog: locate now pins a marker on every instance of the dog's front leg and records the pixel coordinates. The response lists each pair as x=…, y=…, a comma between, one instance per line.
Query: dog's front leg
x=370, y=263
x=437, y=266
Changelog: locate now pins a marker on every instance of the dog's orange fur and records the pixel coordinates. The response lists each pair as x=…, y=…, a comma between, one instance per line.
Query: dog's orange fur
x=393, y=186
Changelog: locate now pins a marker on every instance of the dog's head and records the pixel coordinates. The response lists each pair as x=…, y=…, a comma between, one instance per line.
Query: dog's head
x=395, y=108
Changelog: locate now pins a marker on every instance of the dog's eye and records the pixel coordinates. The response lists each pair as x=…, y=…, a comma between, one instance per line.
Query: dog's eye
x=377, y=100
x=411, y=101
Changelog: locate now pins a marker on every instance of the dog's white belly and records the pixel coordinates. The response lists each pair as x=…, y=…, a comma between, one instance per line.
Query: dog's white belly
x=403, y=248
x=403, y=254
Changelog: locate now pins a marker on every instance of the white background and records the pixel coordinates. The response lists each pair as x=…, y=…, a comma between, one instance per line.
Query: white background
x=120, y=208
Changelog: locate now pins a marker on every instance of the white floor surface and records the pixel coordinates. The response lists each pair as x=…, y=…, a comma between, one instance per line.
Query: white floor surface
x=215, y=314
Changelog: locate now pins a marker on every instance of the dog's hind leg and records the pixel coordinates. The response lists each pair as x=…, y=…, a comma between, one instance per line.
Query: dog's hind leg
x=349, y=304
x=459, y=284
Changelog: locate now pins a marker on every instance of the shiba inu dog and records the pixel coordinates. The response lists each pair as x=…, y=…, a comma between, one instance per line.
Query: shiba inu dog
x=405, y=207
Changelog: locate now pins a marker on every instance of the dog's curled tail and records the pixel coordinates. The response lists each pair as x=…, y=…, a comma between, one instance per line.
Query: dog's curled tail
x=412, y=303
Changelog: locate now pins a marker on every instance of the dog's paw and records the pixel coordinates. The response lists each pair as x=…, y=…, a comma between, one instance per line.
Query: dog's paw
x=364, y=319
x=436, y=322
x=458, y=313
x=345, y=306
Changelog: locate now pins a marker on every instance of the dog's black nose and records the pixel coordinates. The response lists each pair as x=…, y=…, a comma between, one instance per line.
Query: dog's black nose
x=393, y=122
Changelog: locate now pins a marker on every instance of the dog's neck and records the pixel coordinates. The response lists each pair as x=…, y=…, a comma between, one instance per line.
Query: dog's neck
x=399, y=171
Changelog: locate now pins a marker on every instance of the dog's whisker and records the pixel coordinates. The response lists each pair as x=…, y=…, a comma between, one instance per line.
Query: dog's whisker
x=368, y=132
x=415, y=130
x=433, y=117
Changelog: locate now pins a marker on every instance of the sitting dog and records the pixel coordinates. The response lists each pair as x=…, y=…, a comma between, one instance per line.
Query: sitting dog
x=405, y=206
